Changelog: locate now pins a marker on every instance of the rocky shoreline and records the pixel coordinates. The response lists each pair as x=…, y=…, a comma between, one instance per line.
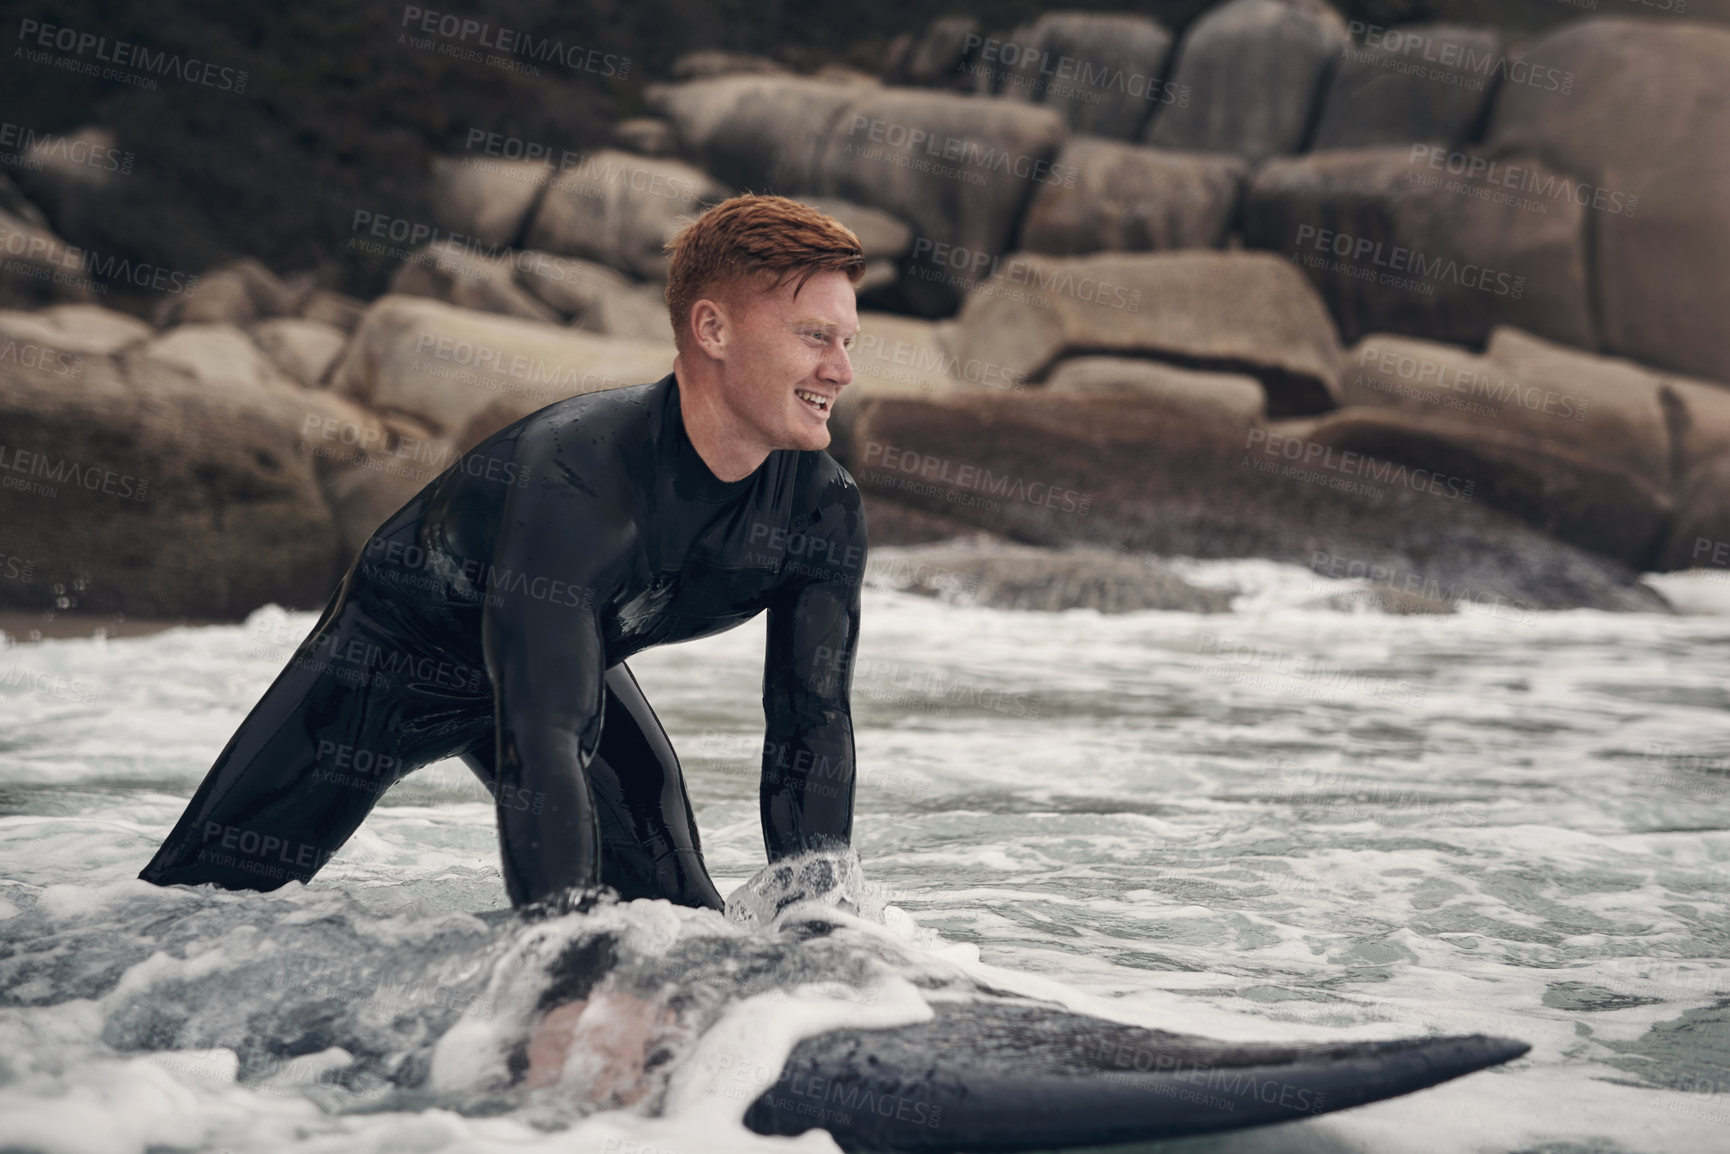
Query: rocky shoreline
x=1179, y=323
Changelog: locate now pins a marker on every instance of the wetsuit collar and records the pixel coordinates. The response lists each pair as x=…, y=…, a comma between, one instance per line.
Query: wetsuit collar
x=692, y=476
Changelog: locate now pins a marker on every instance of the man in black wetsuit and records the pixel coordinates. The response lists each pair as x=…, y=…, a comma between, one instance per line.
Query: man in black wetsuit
x=490, y=617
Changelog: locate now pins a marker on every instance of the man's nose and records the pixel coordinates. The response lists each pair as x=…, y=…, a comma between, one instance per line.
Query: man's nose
x=837, y=366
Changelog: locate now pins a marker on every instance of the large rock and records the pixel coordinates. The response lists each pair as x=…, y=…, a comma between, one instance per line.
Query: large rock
x=1610, y=410
x=1251, y=71
x=1698, y=413
x=904, y=356
x=447, y=271
x=1054, y=469
x=882, y=235
x=217, y=356
x=1101, y=71
x=1638, y=117
x=1130, y=198
x=1231, y=398
x=236, y=294
x=764, y=133
x=594, y=298
x=1005, y=575
x=1394, y=246
x=620, y=210
x=442, y=365
x=885, y=238
x=333, y=308
x=163, y=493
x=488, y=198
x=938, y=56
x=71, y=328
x=646, y=136
x=77, y=176
x=1572, y=495
x=15, y=204
x=708, y=63
x=369, y=464
x=37, y=268
x=303, y=350
x=1700, y=535
x=1416, y=82
x=959, y=170
x=1238, y=312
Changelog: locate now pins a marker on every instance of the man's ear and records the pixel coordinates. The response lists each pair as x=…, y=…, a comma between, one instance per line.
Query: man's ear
x=712, y=328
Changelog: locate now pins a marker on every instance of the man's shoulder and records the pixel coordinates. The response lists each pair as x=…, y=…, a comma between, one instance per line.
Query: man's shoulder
x=604, y=412
x=823, y=477
x=601, y=422
x=830, y=496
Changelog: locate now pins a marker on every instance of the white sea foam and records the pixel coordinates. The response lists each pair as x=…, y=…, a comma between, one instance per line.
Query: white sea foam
x=1281, y=822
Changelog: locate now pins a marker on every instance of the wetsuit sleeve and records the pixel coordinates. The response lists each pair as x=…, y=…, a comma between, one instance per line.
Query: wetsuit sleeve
x=806, y=794
x=541, y=637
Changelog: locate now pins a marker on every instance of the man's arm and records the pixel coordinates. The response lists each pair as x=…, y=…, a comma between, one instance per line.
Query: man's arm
x=807, y=788
x=541, y=637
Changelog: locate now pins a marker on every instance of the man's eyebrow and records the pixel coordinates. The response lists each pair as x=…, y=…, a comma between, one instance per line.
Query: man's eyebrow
x=818, y=322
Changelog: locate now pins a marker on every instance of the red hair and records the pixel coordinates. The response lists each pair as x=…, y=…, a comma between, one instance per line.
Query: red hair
x=766, y=239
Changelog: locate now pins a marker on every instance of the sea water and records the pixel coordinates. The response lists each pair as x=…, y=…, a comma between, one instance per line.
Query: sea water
x=1282, y=822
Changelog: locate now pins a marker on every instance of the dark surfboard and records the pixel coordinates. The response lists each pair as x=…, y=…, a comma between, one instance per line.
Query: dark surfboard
x=1013, y=1076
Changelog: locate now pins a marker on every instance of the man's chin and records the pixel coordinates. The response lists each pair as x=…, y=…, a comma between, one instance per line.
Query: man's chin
x=808, y=438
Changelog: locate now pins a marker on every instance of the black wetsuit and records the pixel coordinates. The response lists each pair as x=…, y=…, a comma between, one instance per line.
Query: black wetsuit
x=490, y=618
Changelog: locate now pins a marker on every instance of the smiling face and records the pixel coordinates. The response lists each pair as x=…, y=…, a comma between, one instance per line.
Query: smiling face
x=782, y=359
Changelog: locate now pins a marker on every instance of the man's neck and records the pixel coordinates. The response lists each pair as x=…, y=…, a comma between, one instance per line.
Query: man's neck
x=717, y=435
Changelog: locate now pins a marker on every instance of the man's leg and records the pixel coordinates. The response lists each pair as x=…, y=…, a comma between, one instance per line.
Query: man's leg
x=328, y=737
x=649, y=842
